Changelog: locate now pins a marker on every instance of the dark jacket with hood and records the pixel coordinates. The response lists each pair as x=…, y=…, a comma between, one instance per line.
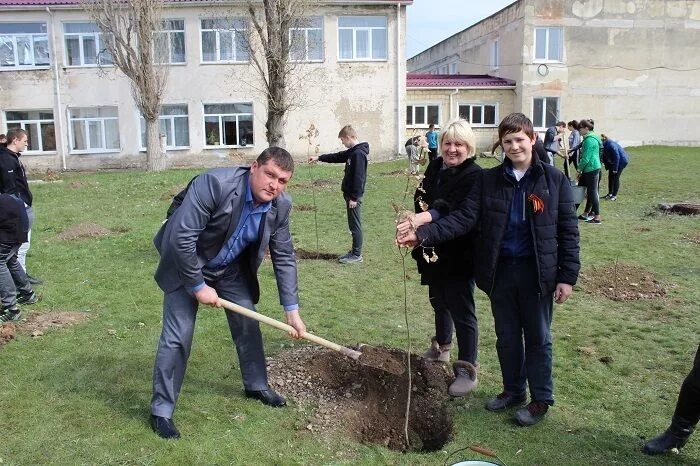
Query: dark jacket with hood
x=13, y=179
x=14, y=223
x=554, y=229
x=442, y=190
x=614, y=156
x=355, y=160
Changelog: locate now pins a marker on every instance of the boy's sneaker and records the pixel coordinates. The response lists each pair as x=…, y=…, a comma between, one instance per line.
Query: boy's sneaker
x=585, y=217
x=350, y=259
x=607, y=196
x=28, y=298
x=10, y=314
x=613, y=198
x=594, y=221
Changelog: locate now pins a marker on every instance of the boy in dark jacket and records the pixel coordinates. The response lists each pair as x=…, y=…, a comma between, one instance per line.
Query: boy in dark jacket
x=527, y=253
x=14, y=284
x=353, y=186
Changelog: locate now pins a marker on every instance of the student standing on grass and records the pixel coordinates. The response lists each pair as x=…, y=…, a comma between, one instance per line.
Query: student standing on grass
x=14, y=285
x=355, y=159
x=574, y=141
x=615, y=160
x=432, y=137
x=552, y=140
x=450, y=279
x=589, y=171
x=13, y=180
x=210, y=247
x=526, y=255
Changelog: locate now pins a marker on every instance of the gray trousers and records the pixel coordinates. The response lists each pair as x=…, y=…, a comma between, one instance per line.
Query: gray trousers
x=179, y=315
x=355, y=225
x=12, y=276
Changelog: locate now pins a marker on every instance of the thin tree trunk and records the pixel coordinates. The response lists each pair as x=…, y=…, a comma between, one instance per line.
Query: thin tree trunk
x=275, y=130
x=155, y=156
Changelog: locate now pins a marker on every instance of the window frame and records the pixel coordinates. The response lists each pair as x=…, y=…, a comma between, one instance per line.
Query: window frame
x=306, y=30
x=86, y=120
x=221, y=127
x=547, y=59
x=97, y=37
x=481, y=105
x=369, y=30
x=544, y=112
x=169, y=33
x=142, y=127
x=33, y=36
x=33, y=121
x=425, y=107
x=235, y=32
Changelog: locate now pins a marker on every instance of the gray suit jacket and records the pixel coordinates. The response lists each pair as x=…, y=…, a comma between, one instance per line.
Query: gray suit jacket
x=207, y=218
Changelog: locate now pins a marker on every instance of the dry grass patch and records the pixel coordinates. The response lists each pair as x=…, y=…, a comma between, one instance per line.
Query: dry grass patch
x=622, y=282
x=83, y=230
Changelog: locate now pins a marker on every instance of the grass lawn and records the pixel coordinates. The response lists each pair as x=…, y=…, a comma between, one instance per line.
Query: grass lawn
x=80, y=395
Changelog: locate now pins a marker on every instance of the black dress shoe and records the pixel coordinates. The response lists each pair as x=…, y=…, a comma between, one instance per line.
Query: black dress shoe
x=505, y=400
x=34, y=280
x=164, y=427
x=268, y=397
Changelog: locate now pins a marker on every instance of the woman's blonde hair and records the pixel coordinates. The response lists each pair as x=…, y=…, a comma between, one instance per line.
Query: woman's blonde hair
x=459, y=130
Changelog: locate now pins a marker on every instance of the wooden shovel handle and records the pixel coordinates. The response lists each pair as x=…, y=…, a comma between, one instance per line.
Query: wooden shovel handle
x=288, y=328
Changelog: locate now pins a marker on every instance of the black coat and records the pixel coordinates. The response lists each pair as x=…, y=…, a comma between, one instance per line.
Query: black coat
x=444, y=190
x=554, y=231
x=355, y=160
x=13, y=179
x=14, y=224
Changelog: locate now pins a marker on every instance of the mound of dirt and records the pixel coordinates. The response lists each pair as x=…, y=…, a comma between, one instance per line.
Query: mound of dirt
x=304, y=254
x=695, y=238
x=83, y=230
x=304, y=207
x=318, y=184
x=7, y=332
x=622, y=282
x=36, y=324
x=367, y=404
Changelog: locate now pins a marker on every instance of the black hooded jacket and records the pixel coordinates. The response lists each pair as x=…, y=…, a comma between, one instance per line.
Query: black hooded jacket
x=13, y=179
x=14, y=224
x=487, y=210
x=355, y=160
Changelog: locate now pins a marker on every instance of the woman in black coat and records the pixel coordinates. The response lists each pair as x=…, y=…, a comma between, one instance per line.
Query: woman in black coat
x=448, y=269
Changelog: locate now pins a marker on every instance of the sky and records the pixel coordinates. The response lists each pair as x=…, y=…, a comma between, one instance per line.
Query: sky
x=430, y=21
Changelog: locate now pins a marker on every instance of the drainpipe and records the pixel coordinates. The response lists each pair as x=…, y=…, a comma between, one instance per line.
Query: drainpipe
x=453, y=93
x=57, y=92
x=398, y=79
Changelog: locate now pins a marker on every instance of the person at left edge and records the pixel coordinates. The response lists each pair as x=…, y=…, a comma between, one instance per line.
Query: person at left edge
x=210, y=247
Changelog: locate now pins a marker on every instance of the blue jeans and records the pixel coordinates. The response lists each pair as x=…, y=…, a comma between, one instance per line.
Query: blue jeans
x=13, y=279
x=523, y=317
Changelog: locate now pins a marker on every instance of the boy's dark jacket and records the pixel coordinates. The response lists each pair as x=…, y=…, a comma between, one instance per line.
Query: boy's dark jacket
x=444, y=190
x=14, y=224
x=13, y=179
x=487, y=208
x=355, y=160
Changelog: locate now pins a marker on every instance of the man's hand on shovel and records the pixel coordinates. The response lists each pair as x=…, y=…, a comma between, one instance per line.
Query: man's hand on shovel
x=294, y=320
x=207, y=295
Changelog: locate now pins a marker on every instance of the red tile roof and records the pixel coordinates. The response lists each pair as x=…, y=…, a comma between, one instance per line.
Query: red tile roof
x=456, y=80
x=77, y=2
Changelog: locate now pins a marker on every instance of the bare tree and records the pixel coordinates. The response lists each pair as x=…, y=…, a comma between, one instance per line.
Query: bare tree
x=129, y=27
x=276, y=52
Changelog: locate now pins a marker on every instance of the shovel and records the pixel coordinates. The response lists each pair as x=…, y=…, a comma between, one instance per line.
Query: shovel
x=372, y=357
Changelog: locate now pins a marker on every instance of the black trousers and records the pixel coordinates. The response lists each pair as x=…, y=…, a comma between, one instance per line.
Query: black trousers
x=614, y=182
x=432, y=154
x=355, y=225
x=688, y=405
x=522, y=318
x=453, y=303
x=590, y=181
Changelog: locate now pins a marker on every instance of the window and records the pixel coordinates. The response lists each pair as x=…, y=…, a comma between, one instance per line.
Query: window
x=422, y=115
x=545, y=111
x=362, y=38
x=39, y=126
x=169, y=41
x=306, y=40
x=224, y=40
x=548, y=44
x=23, y=45
x=443, y=69
x=479, y=114
x=453, y=68
x=174, y=123
x=94, y=129
x=228, y=124
x=85, y=45
x=494, y=55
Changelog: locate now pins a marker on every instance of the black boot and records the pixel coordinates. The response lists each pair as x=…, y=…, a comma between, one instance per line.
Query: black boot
x=676, y=436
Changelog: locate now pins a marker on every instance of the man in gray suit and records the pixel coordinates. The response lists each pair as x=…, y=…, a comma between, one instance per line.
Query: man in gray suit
x=211, y=246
